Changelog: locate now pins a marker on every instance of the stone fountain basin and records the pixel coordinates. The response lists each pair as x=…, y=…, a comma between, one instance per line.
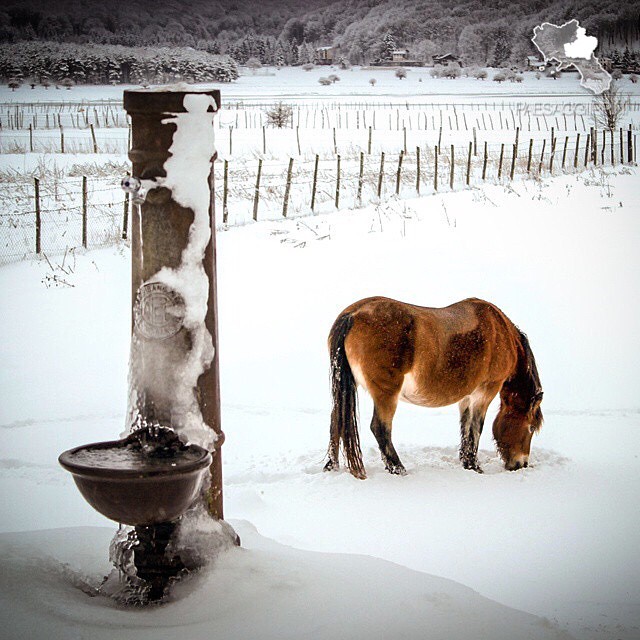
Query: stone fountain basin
x=123, y=483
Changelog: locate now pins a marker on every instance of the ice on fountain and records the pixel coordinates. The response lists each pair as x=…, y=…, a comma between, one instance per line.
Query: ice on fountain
x=187, y=172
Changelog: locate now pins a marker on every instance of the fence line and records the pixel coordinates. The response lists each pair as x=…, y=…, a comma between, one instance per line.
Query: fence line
x=40, y=216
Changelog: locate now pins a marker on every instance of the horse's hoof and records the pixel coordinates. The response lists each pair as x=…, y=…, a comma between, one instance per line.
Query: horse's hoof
x=473, y=467
x=331, y=466
x=397, y=470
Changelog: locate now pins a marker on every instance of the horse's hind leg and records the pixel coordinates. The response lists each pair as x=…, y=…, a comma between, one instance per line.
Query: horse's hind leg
x=383, y=412
x=473, y=409
x=334, y=450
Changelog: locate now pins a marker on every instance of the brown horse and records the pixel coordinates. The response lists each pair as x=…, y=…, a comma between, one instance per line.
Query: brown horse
x=465, y=353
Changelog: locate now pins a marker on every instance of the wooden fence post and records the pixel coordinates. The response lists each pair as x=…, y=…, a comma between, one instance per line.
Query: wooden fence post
x=125, y=215
x=225, y=193
x=544, y=144
x=500, y=161
x=380, y=174
x=530, y=152
x=84, y=211
x=564, y=151
x=36, y=183
x=230, y=141
x=452, y=165
x=287, y=189
x=315, y=183
x=399, y=173
x=475, y=143
x=418, y=170
x=469, y=162
x=61, y=139
x=514, y=155
x=552, y=155
x=256, y=193
x=484, y=161
x=587, y=149
x=404, y=135
x=31, y=138
x=629, y=145
x=335, y=144
x=621, y=147
x=298, y=140
x=435, y=169
x=612, y=148
x=369, y=142
x=93, y=137
x=338, y=183
x=575, y=157
x=360, y=178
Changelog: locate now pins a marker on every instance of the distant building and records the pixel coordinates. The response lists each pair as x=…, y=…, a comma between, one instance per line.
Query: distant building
x=446, y=58
x=399, y=58
x=326, y=55
x=533, y=62
x=400, y=55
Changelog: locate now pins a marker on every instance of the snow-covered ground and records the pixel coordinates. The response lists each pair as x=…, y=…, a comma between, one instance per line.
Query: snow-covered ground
x=557, y=540
x=295, y=83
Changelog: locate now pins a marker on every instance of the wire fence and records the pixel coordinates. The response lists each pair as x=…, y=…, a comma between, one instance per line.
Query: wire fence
x=53, y=216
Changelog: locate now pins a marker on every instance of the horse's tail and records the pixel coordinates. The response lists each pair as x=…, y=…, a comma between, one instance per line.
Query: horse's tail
x=344, y=411
x=530, y=385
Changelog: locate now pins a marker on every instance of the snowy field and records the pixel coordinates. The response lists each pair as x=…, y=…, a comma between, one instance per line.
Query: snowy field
x=545, y=552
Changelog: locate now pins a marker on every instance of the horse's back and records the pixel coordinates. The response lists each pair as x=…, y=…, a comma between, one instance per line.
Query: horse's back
x=426, y=355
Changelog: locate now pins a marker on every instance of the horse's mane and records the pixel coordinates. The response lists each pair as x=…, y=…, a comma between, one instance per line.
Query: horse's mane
x=525, y=382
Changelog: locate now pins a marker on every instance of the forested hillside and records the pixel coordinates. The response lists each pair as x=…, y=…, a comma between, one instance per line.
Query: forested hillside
x=481, y=31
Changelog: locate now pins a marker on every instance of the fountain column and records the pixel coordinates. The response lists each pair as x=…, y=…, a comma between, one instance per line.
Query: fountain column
x=174, y=373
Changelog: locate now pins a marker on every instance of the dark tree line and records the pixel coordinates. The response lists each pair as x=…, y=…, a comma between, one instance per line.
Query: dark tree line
x=284, y=31
x=55, y=62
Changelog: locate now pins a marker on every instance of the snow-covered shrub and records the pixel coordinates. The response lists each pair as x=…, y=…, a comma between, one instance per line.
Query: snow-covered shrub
x=334, y=78
x=519, y=78
x=538, y=75
x=401, y=74
x=634, y=78
x=372, y=82
x=344, y=64
x=480, y=74
x=308, y=66
x=324, y=81
x=67, y=83
x=435, y=72
x=499, y=77
x=452, y=71
x=254, y=64
x=616, y=74
x=14, y=84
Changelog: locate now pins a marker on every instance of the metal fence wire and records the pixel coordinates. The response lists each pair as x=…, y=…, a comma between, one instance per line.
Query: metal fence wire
x=52, y=216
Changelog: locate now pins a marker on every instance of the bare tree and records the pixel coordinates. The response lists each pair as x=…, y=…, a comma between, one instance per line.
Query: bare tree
x=609, y=107
x=279, y=115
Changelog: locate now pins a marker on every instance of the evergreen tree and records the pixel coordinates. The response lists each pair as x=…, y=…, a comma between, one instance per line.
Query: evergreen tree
x=388, y=45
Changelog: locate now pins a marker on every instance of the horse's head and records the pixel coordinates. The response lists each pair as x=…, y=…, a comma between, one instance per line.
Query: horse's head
x=518, y=419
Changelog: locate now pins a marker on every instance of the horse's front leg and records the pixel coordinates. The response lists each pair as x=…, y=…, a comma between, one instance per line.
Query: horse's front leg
x=381, y=427
x=471, y=423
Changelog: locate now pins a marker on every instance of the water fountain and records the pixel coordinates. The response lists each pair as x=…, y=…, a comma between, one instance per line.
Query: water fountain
x=166, y=474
